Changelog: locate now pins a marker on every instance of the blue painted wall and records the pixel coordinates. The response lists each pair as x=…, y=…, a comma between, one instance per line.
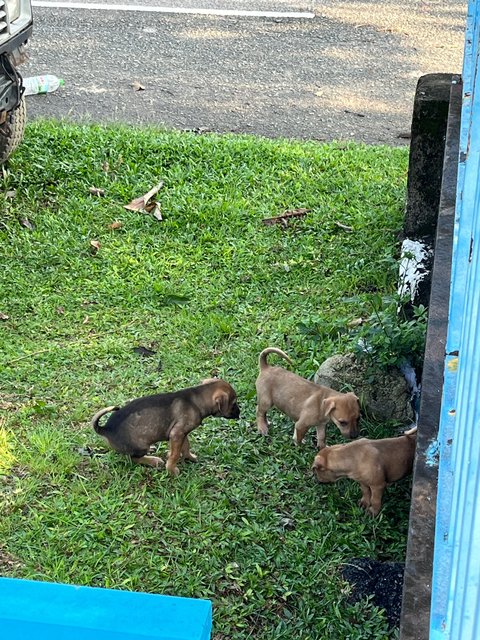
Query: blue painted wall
x=455, y=613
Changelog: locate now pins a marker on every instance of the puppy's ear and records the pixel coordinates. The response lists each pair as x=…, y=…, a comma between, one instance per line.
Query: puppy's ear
x=222, y=400
x=328, y=406
x=354, y=397
x=208, y=380
x=319, y=462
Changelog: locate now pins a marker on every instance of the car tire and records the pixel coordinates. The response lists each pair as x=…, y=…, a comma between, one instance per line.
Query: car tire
x=11, y=131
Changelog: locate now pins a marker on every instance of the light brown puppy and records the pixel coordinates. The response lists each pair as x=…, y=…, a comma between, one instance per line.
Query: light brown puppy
x=309, y=404
x=166, y=416
x=372, y=463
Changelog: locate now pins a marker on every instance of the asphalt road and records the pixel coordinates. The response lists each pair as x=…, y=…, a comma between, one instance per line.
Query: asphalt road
x=349, y=72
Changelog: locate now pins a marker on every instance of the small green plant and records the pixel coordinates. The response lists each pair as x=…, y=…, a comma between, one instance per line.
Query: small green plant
x=383, y=333
x=387, y=336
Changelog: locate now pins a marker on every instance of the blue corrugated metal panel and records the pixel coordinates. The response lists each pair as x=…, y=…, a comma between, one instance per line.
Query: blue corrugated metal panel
x=455, y=613
x=465, y=209
x=441, y=570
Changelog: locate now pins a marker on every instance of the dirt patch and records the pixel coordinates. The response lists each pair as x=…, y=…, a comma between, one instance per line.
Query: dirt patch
x=383, y=581
x=9, y=564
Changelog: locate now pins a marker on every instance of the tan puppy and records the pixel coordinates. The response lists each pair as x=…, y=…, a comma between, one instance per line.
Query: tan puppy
x=372, y=463
x=309, y=404
x=166, y=416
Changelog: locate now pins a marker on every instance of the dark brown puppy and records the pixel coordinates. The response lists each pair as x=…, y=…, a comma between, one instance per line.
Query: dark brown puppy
x=372, y=463
x=133, y=428
x=309, y=404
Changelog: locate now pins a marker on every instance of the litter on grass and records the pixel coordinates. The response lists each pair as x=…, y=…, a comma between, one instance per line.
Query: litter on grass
x=147, y=203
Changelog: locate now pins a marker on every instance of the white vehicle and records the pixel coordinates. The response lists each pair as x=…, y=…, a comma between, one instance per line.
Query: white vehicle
x=15, y=28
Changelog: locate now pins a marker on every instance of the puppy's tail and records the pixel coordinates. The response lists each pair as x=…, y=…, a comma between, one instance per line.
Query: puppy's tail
x=410, y=432
x=97, y=416
x=262, y=358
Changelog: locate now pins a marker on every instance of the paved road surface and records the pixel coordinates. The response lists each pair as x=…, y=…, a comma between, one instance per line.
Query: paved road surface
x=348, y=72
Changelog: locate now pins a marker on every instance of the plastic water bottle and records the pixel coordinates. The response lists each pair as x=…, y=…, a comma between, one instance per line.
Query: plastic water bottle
x=42, y=84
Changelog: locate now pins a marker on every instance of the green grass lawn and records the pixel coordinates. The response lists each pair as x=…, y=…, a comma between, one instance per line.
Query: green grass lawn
x=207, y=288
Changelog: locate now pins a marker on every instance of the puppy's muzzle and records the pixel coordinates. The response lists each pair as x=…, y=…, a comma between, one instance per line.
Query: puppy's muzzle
x=234, y=413
x=354, y=432
x=350, y=431
x=323, y=475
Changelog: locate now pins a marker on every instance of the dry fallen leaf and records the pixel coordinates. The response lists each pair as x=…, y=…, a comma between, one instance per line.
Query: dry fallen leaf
x=86, y=320
x=60, y=311
x=356, y=322
x=344, y=226
x=25, y=222
x=282, y=219
x=295, y=212
x=147, y=202
x=95, y=246
x=95, y=191
x=156, y=213
x=137, y=86
x=3, y=316
x=10, y=194
x=106, y=167
x=116, y=224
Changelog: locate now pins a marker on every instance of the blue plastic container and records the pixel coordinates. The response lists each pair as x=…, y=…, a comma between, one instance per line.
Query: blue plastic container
x=48, y=611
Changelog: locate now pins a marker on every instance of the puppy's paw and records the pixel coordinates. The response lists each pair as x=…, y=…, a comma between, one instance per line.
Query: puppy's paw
x=263, y=429
x=363, y=504
x=173, y=471
x=150, y=461
x=191, y=457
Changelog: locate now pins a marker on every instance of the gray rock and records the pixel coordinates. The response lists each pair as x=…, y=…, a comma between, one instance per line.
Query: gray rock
x=383, y=394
